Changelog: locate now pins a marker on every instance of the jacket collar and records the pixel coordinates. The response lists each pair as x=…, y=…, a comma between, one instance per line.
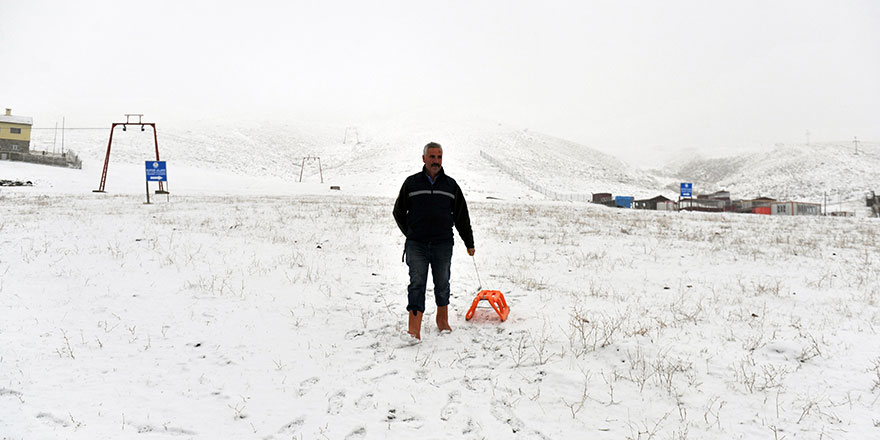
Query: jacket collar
x=439, y=174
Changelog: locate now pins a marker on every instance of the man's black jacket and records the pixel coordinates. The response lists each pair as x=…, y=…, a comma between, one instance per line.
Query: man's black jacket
x=426, y=212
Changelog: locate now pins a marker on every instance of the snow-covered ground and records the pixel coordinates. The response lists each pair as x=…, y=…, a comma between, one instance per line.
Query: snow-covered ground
x=249, y=305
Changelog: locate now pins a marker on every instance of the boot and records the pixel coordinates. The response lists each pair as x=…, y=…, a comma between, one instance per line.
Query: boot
x=443, y=318
x=415, y=324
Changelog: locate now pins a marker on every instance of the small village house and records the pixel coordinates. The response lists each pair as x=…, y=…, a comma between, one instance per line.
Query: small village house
x=795, y=208
x=702, y=205
x=717, y=195
x=602, y=198
x=716, y=202
x=670, y=205
x=652, y=204
x=623, y=201
x=760, y=205
x=719, y=198
x=15, y=136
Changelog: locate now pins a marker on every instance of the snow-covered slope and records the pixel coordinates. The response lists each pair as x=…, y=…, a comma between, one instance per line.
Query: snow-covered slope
x=487, y=158
x=790, y=172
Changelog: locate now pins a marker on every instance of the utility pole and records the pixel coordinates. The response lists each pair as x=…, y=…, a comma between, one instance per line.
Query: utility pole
x=808, y=138
x=856, y=143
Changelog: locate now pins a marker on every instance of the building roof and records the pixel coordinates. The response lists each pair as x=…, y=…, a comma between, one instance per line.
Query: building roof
x=26, y=120
x=659, y=198
x=796, y=203
x=717, y=195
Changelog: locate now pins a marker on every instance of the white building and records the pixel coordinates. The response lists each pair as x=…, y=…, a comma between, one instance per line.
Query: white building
x=795, y=208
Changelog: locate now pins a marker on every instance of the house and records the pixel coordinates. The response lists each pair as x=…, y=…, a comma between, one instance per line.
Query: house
x=717, y=195
x=15, y=135
x=760, y=205
x=718, y=199
x=702, y=204
x=651, y=204
x=602, y=198
x=795, y=208
x=623, y=201
x=667, y=206
x=716, y=202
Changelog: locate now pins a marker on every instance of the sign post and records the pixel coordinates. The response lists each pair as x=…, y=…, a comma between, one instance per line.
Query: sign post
x=156, y=172
x=687, y=191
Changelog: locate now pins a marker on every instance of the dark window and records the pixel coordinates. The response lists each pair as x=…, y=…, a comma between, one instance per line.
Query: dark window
x=14, y=130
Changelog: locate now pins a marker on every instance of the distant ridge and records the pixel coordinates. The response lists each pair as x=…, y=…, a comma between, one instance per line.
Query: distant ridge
x=383, y=152
x=789, y=172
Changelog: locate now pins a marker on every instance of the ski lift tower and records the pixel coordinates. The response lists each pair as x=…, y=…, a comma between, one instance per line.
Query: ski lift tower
x=129, y=121
x=303, y=167
x=354, y=132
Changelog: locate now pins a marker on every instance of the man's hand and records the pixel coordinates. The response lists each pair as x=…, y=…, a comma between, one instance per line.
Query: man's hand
x=471, y=251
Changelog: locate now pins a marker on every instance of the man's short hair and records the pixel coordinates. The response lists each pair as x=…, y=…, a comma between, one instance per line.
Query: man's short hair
x=431, y=145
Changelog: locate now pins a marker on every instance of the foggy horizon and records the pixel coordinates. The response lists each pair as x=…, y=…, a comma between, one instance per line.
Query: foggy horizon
x=611, y=76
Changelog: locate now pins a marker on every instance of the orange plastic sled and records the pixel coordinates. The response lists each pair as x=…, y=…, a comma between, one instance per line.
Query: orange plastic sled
x=496, y=300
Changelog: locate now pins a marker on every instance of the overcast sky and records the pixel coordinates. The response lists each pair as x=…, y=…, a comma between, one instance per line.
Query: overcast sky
x=610, y=74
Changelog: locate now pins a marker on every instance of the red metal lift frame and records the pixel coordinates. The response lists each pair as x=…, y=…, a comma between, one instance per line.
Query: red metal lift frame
x=110, y=143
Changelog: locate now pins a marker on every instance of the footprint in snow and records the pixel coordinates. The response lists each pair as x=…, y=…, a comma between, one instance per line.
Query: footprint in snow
x=52, y=419
x=292, y=427
x=306, y=386
x=351, y=334
x=10, y=392
x=472, y=429
x=365, y=401
x=451, y=408
x=397, y=416
x=357, y=433
x=335, y=403
x=504, y=413
x=384, y=375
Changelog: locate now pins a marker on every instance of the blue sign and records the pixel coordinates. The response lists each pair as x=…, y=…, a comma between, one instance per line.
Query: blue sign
x=156, y=171
x=687, y=189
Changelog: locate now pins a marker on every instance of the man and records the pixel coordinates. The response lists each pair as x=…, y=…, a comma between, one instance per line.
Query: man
x=429, y=204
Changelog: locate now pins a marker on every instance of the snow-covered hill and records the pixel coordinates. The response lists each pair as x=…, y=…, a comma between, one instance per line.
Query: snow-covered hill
x=790, y=172
x=487, y=158
x=371, y=157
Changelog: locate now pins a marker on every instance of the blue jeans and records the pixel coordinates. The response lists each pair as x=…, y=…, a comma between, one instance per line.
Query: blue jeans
x=419, y=256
